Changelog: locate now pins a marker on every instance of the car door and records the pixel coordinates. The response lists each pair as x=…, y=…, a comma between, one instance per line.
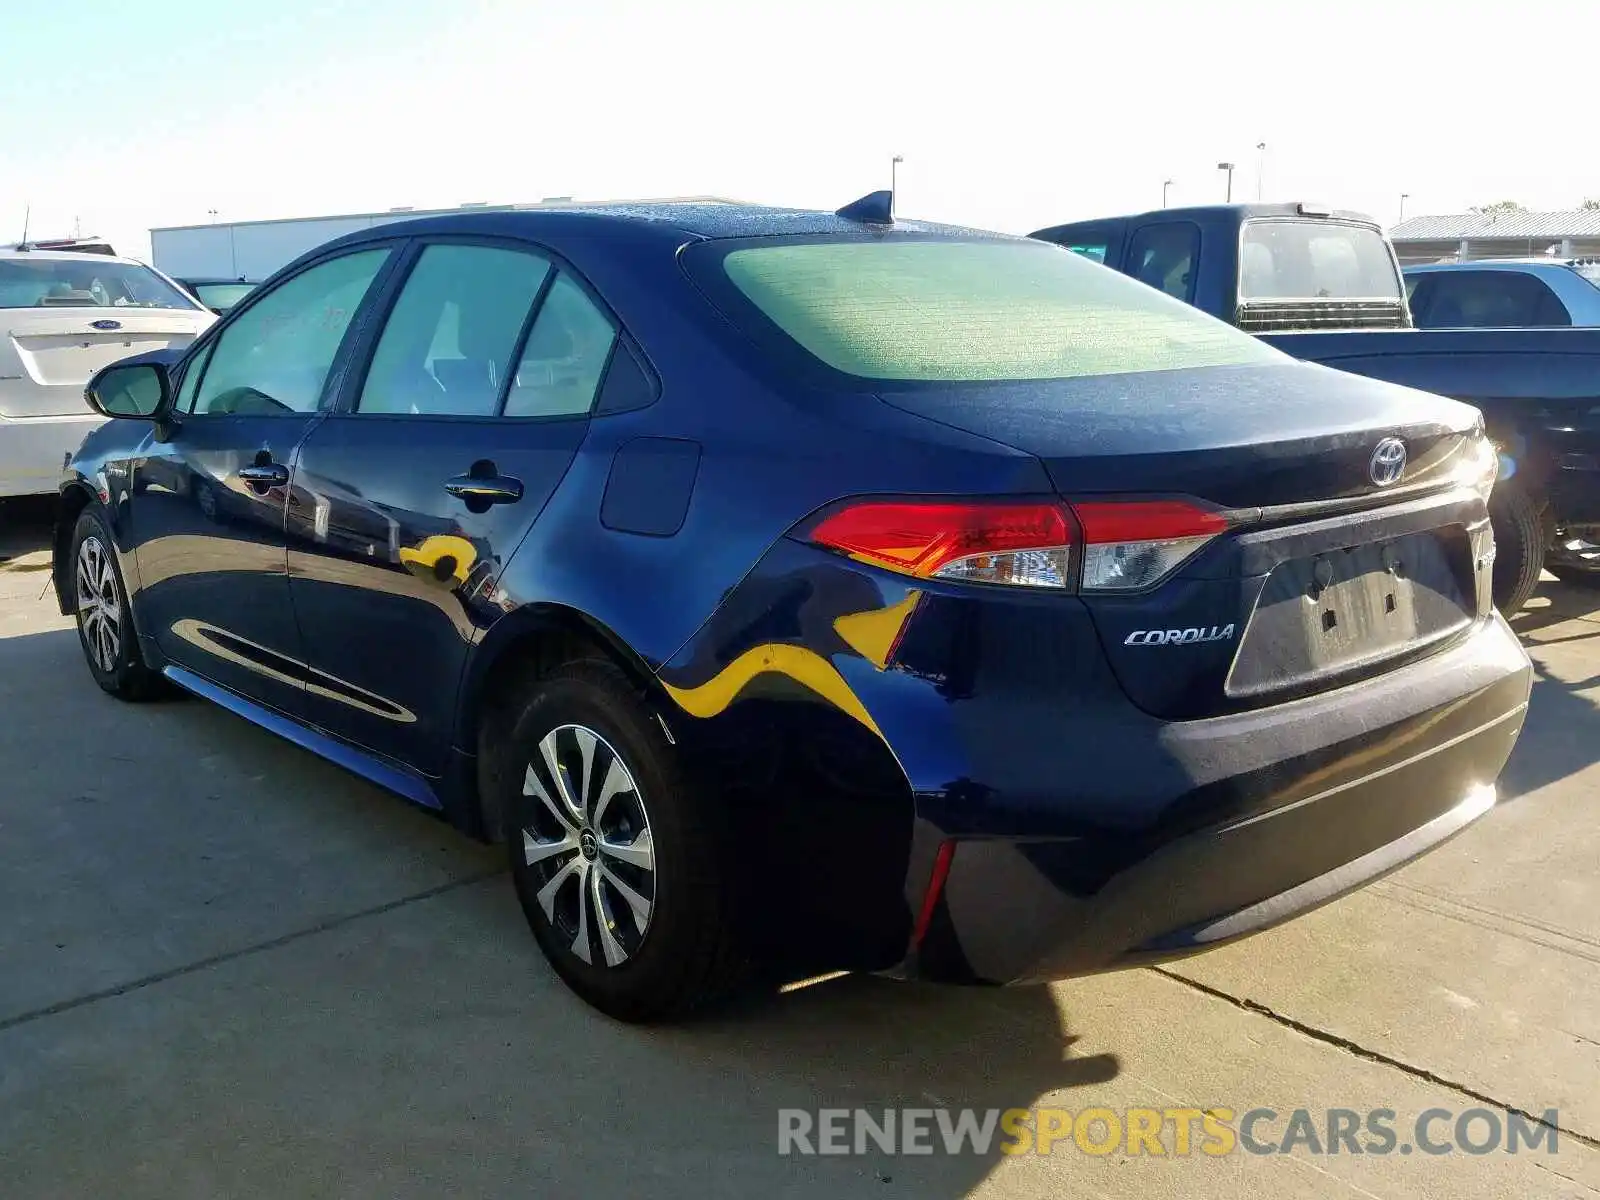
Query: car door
x=208, y=508
x=410, y=498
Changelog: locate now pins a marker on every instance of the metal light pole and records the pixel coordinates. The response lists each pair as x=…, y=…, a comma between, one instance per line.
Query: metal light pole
x=893, y=176
x=1261, y=166
x=1165, y=184
x=1228, y=167
x=1404, y=196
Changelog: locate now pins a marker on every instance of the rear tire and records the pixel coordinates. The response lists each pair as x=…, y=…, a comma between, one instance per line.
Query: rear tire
x=1519, y=538
x=104, y=616
x=618, y=859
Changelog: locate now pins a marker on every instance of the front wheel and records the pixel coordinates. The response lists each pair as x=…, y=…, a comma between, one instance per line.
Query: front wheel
x=105, y=624
x=617, y=858
x=1519, y=539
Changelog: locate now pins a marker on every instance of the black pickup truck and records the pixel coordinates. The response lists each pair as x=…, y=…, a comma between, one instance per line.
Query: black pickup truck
x=1324, y=285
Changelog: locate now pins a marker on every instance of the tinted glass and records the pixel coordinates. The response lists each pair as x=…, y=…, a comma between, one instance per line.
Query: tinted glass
x=85, y=283
x=1163, y=257
x=275, y=357
x=449, y=340
x=190, y=383
x=951, y=310
x=1094, y=252
x=222, y=295
x=566, y=355
x=1315, y=260
x=1487, y=300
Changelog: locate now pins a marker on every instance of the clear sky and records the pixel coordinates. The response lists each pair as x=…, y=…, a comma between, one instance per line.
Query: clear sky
x=1009, y=114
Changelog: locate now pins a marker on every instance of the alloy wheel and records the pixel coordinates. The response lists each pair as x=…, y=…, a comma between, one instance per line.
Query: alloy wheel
x=588, y=844
x=99, y=603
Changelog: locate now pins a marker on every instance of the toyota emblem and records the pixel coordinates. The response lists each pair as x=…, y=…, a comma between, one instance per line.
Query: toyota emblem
x=1388, y=462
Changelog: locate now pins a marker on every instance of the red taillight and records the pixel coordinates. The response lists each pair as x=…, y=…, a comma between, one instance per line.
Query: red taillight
x=1125, y=545
x=1024, y=543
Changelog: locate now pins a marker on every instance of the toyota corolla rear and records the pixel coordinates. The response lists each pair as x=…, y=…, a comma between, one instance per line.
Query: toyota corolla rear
x=62, y=317
x=1226, y=654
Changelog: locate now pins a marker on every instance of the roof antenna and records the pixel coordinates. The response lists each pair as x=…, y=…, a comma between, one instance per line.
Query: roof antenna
x=27, y=218
x=875, y=208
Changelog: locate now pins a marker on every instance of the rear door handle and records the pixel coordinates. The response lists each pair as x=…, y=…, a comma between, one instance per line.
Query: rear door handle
x=265, y=475
x=482, y=490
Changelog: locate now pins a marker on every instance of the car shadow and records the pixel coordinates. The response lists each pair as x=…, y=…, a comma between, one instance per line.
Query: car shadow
x=1563, y=725
x=26, y=525
x=724, y=1079
x=457, y=980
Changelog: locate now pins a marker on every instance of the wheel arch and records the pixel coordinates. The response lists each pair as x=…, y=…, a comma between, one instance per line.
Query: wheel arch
x=75, y=497
x=520, y=647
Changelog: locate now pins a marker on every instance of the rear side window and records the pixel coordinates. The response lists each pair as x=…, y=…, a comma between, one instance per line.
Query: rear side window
x=1164, y=256
x=949, y=310
x=448, y=343
x=567, y=352
x=1485, y=300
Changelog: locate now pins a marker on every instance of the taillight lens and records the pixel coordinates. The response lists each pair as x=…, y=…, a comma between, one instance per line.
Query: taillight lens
x=1130, y=545
x=1125, y=545
x=1020, y=544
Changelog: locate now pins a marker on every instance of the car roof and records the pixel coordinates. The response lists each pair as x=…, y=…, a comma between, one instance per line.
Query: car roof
x=1207, y=214
x=675, y=221
x=1493, y=264
x=11, y=252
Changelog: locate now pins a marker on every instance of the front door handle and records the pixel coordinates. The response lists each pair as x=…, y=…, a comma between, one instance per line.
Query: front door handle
x=265, y=475
x=483, y=486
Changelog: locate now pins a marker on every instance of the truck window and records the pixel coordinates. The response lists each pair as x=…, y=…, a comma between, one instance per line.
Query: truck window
x=1486, y=300
x=1315, y=260
x=1164, y=256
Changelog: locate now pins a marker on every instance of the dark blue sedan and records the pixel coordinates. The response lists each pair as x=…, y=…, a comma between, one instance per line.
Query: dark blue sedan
x=811, y=591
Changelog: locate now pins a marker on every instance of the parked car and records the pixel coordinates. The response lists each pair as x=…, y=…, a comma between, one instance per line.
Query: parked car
x=1324, y=285
x=63, y=316
x=813, y=589
x=1504, y=293
x=1262, y=267
x=220, y=295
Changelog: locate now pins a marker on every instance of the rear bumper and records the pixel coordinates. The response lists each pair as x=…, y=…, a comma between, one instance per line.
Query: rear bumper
x=1288, y=808
x=33, y=450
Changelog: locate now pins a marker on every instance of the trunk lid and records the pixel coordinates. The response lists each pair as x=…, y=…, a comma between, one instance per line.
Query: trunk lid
x=1334, y=569
x=1240, y=437
x=48, y=355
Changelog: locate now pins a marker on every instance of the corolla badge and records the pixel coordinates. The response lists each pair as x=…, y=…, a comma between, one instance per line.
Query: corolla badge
x=1388, y=462
x=107, y=324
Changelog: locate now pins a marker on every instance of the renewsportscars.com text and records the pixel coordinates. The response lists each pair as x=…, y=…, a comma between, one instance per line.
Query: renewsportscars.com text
x=1163, y=1132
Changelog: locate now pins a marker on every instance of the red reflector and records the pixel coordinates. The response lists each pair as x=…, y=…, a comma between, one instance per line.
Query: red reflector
x=1115, y=521
x=930, y=898
x=920, y=537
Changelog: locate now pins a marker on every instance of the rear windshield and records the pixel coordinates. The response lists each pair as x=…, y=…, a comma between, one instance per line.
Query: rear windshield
x=1310, y=260
x=222, y=295
x=82, y=283
x=947, y=310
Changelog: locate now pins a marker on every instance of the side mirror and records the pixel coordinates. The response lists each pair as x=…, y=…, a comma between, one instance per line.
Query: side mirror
x=135, y=391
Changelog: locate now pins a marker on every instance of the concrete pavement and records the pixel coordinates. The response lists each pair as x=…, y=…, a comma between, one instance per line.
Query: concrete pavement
x=228, y=969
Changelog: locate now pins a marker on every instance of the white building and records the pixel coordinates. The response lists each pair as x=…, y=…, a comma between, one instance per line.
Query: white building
x=255, y=249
